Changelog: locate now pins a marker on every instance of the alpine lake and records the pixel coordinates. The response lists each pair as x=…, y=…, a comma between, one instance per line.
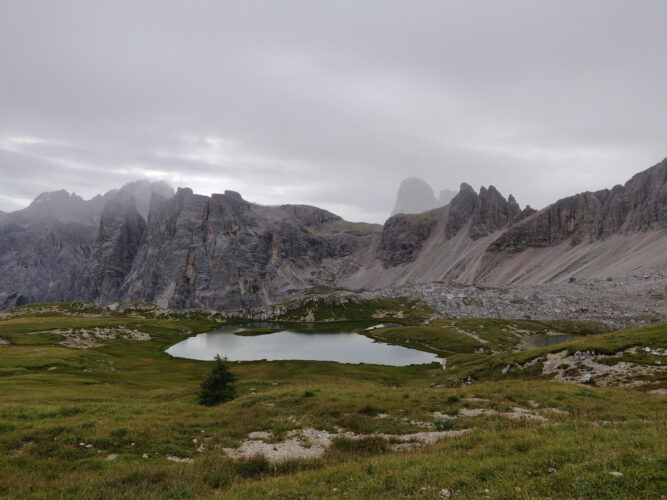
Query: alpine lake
x=272, y=341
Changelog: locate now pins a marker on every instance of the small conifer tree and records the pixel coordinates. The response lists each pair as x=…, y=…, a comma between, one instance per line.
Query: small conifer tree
x=219, y=385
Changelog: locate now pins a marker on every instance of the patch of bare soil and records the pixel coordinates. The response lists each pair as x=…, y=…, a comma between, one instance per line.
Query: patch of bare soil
x=585, y=367
x=312, y=443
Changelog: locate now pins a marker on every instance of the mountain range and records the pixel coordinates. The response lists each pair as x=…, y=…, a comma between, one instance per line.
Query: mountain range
x=145, y=242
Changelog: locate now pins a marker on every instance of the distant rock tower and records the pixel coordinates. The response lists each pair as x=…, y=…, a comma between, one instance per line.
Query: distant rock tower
x=416, y=196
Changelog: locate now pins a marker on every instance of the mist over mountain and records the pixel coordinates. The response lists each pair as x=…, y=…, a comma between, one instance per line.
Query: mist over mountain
x=415, y=195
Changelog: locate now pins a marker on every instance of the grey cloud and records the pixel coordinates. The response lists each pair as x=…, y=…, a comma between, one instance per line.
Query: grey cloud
x=331, y=103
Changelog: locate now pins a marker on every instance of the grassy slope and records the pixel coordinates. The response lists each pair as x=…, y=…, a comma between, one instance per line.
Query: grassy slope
x=461, y=335
x=130, y=398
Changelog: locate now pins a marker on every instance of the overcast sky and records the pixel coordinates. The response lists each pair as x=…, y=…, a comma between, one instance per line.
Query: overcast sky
x=330, y=103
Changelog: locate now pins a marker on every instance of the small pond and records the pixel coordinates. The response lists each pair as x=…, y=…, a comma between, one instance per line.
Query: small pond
x=337, y=343
x=548, y=340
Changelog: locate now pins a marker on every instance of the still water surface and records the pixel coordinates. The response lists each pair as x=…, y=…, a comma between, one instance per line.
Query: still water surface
x=548, y=340
x=335, y=345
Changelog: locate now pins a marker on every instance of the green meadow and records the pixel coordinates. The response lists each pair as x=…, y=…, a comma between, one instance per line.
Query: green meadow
x=109, y=421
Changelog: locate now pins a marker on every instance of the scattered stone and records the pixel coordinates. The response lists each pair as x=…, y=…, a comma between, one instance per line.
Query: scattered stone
x=259, y=435
x=112, y=456
x=516, y=413
x=615, y=473
x=312, y=443
x=180, y=460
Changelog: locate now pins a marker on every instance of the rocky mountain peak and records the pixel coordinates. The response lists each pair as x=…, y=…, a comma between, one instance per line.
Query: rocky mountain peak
x=487, y=211
x=414, y=196
x=56, y=204
x=490, y=214
x=461, y=209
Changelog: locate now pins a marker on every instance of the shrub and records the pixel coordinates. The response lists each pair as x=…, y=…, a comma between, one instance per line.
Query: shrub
x=219, y=385
x=443, y=424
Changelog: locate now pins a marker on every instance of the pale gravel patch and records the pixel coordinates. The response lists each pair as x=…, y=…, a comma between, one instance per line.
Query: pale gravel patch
x=180, y=460
x=259, y=435
x=591, y=371
x=312, y=443
x=558, y=411
x=515, y=414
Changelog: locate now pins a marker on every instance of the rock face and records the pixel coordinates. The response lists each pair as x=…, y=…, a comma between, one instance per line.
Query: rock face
x=45, y=247
x=486, y=212
x=403, y=237
x=638, y=206
x=120, y=233
x=222, y=252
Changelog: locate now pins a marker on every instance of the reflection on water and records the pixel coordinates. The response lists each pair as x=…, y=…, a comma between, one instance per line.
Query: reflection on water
x=335, y=345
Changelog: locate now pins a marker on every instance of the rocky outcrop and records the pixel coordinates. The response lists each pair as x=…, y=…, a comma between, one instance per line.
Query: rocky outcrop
x=46, y=246
x=223, y=252
x=461, y=209
x=638, y=206
x=120, y=234
x=491, y=213
x=487, y=212
x=403, y=237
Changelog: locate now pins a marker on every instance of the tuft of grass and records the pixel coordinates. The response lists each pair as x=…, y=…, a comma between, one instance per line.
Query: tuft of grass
x=366, y=445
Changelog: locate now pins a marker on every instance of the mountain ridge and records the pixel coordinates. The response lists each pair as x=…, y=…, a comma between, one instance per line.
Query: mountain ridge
x=219, y=252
